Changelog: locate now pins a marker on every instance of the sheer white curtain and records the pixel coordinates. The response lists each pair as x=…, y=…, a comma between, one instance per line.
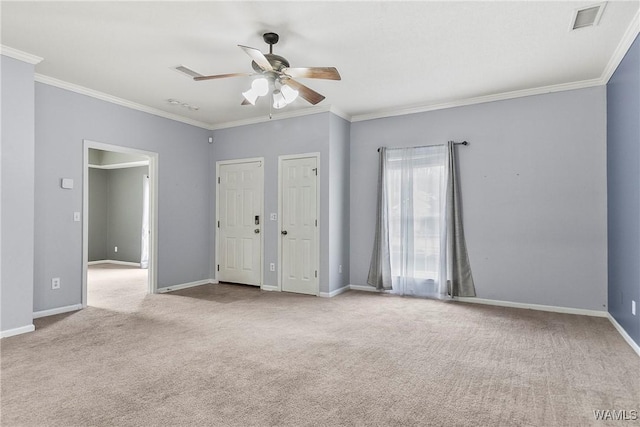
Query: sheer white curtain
x=416, y=195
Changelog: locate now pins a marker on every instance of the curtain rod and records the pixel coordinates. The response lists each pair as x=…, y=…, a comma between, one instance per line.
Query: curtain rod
x=454, y=143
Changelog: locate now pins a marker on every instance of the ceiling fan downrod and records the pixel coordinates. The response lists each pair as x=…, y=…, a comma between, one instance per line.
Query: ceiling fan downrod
x=270, y=39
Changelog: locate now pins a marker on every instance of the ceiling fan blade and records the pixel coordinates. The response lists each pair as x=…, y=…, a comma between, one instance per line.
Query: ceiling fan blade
x=188, y=71
x=258, y=57
x=220, y=76
x=305, y=92
x=329, y=73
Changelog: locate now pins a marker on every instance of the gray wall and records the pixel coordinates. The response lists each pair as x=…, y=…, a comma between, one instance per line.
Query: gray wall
x=98, y=212
x=269, y=140
x=338, y=202
x=623, y=157
x=63, y=120
x=17, y=199
x=124, y=219
x=533, y=183
x=115, y=213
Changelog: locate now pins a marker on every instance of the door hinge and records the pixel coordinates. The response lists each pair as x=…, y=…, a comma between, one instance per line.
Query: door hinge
x=316, y=222
x=315, y=170
x=218, y=267
x=316, y=273
x=218, y=224
x=218, y=180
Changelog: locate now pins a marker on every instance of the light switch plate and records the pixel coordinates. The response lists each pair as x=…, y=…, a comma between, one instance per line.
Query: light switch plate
x=273, y=217
x=76, y=216
x=66, y=183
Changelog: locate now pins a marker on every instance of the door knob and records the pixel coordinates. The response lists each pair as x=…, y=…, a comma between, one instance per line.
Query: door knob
x=284, y=232
x=257, y=230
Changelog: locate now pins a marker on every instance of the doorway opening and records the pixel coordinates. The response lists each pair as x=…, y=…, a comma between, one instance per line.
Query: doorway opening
x=119, y=226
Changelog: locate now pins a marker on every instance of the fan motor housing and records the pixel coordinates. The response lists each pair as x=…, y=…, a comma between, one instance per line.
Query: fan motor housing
x=277, y=62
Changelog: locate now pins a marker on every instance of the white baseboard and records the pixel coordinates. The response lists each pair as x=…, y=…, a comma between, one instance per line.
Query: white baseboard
x=270, y=288
x=17, y=331
x=184, y=286
x=213, y=281
x=365, y=288
x=538, y=307
x=111, y=261
x=59, y=310
x=334, y=292
x=624, y=334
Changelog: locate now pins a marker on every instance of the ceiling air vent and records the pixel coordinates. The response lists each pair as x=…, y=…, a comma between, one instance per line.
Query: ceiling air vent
x=587, y=16
x=189, y=72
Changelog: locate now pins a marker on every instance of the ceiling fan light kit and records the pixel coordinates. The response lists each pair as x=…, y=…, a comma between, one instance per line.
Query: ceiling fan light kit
x=277, y=78
x=259, y=87
x=278, y=99
x=289, y=94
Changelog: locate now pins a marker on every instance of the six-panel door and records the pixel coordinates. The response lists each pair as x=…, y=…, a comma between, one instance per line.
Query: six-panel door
x=240, y=223
x=298, y=225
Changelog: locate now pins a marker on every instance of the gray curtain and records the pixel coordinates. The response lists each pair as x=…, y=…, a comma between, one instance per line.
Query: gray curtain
x=460, y=281
x=380, y=267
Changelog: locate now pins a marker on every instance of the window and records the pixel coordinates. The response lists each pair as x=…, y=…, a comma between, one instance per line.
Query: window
x=415, y=179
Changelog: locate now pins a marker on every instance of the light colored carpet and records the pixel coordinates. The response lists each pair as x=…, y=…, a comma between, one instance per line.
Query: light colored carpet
x=116, y=287
x=230, y=355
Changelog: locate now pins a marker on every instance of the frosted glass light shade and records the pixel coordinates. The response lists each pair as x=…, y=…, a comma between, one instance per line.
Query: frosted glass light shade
x=250, y=96
x=278, y=99
x=289, y=94
x=260, y=86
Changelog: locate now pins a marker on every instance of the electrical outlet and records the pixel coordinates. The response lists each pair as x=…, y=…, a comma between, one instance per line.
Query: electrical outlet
x=272, y=267
x=55, y=283
x=115, y=249
x=633, y=307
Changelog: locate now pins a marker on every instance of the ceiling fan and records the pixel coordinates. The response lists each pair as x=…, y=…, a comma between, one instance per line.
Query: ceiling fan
x=277, y=77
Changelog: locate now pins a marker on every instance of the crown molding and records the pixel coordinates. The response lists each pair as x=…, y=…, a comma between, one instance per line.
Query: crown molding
x=338, y=112
x=40, y=78
x=20, y=55
x=277, y=116
x=284, y=115
x=623, y=47
x=480, y=99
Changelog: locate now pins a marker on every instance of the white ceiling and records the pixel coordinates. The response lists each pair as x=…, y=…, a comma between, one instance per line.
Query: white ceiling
x=391, y=55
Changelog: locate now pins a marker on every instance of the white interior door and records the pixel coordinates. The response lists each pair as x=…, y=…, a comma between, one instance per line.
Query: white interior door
x=298, y=221
x=240, y=222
